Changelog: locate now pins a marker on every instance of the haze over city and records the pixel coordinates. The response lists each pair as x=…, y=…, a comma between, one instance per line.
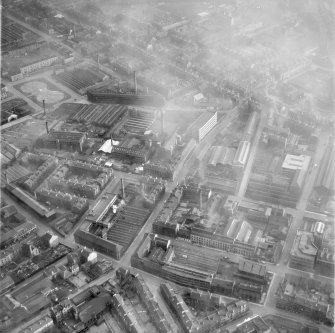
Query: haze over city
x=167, y=166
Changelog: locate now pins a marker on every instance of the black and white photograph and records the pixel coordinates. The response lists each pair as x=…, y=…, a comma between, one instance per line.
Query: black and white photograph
x=167, y=166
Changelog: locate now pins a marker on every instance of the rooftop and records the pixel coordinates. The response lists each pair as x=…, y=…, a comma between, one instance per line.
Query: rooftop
x=296, y=162
x=254, y=325
x=303, y=245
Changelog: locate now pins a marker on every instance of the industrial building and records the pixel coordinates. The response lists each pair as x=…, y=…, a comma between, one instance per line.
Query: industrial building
x=113, y=224
x=41, y=325
x=72, y=141
x=198, y=267
x=304, y=251
x=31, y=202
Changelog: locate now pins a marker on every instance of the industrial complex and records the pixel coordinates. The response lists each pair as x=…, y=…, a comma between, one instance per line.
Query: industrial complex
x=167, y=167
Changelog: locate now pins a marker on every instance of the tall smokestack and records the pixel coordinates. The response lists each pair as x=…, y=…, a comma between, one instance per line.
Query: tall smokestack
x=200, y=199
x=74, y=30
x=46, y=126
x=122, y=189
x=44, y=107
x=135, y=83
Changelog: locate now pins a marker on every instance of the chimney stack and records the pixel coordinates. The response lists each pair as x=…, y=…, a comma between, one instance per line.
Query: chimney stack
x=200, y=199
x=44, y=107
x=135, y=83
x=122, y=189
x=46, y=126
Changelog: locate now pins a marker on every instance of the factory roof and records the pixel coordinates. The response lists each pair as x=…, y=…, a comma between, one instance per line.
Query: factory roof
x=252, y=267
x=255, y=325
x=66, y=136
x=303, y=245
x=296, y=162
x=101, y=207
x=38, y=325
x=325, y=176
x=242, y=153
x=31, y=202
x=221, y=155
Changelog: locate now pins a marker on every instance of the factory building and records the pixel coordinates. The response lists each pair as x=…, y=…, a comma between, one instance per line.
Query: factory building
x=41, y=325
x=304, y=251
x=31, y=202
x=201, y=268
x=72, y=141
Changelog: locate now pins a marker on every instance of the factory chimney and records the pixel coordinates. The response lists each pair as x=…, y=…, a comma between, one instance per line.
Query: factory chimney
x=46, y=126
x=44, y=107
x=135, y=83
x=122, y=189
x=200, y=199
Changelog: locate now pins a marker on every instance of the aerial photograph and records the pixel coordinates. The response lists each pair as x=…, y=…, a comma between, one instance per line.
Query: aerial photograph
x=167, y=166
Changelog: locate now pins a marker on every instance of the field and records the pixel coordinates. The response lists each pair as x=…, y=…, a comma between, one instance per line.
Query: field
x=41, y=89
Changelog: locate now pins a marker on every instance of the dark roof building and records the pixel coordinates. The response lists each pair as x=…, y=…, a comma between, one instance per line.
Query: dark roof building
x=254, y=325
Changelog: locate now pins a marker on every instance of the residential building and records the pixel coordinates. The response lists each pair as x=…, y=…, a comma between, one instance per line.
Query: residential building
x=308, y=297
